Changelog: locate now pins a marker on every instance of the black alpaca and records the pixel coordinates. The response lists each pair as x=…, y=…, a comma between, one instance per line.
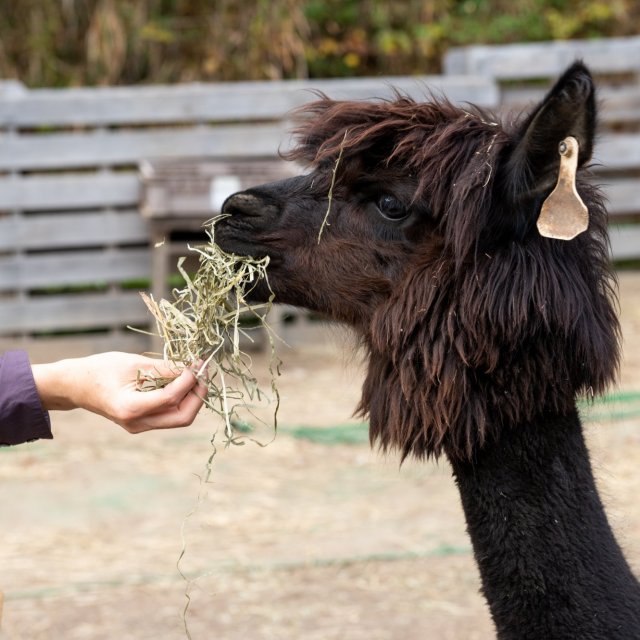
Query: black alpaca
x=480, y=332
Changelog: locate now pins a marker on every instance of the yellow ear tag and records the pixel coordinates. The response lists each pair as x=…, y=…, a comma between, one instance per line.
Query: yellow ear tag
x=563, y=215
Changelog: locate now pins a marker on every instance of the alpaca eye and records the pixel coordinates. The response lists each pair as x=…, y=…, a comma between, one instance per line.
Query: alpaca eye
x=390, y=207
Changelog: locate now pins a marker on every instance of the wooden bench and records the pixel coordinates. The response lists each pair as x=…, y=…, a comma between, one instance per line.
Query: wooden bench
x=179, y=196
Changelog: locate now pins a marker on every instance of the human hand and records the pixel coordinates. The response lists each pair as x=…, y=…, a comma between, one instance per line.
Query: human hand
x=106, y=384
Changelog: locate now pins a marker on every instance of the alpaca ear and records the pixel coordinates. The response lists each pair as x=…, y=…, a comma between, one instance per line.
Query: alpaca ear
x=569, y=109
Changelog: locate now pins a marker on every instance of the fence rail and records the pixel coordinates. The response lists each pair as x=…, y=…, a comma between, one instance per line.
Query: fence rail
x=73, y=242
x=545, y=59
x=21, y=108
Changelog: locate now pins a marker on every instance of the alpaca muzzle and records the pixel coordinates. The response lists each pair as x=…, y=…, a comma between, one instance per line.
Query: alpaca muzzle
x=244, y=204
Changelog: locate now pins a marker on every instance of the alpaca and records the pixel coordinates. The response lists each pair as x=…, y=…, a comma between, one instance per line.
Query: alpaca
x=416, y=226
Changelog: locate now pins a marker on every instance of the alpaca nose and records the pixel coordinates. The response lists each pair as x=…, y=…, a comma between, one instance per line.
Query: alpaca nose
x=246, y=204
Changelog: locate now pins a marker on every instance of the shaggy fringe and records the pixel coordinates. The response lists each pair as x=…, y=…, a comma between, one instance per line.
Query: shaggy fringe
x=492, y=325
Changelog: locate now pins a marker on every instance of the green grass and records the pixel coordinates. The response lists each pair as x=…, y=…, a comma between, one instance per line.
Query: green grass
x=338, y=434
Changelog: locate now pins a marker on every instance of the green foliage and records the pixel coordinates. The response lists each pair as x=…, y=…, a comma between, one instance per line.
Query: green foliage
x=103, y=42
x=374, y=37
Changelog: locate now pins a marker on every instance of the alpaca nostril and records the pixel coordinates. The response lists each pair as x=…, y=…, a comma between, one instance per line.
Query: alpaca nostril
x=243, y=204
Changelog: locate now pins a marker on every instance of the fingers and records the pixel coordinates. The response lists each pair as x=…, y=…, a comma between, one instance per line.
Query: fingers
x=175, y=405
x=157, y=368
x=179, y=387
x=181, y=415
x=147, y=402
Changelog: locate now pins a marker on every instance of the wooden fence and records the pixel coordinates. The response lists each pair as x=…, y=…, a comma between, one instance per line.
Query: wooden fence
x=74, y=249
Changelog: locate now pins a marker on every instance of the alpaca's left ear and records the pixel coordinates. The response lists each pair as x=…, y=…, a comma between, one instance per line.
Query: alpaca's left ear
x=569, y=109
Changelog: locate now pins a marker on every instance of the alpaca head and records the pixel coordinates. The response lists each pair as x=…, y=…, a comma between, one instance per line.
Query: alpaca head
x=416, y=225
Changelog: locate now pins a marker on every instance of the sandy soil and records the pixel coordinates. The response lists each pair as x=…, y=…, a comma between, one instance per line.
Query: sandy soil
x=298, y=540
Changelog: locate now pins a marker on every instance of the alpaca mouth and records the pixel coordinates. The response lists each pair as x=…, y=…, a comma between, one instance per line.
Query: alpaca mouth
x=240, y=240
x=234, y=236
x=241, y=227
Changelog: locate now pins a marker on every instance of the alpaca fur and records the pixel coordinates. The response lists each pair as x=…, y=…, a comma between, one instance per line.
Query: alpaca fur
x=479, y=332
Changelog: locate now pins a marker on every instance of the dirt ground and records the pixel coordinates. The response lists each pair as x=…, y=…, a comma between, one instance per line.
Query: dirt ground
x=298, y=540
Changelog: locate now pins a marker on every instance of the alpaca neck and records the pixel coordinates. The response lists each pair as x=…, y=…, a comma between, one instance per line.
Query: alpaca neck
x=549, y=562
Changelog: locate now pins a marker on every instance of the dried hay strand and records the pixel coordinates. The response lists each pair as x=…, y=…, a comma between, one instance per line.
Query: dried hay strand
x=325, y=220
x=203, y=328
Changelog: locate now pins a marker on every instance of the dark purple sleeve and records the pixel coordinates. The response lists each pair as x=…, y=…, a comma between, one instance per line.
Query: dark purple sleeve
x=22, y=417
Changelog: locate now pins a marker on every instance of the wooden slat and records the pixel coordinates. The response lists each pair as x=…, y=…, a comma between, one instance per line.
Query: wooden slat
x=70, y=230
x=545, y=59
x=618, y=151
x=145, y=105
x=618, y=105
x=623, y=195
x=51, y=313
x=73, y=268
x=69, y=191
x=625, y=242
x=457, y=88
x=216, y=102
x=98, y=148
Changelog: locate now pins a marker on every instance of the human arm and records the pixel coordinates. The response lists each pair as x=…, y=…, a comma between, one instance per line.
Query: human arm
x=106, y=384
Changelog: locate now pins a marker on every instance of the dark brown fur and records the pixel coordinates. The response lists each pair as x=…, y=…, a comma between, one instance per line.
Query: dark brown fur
x=480, y=333
x=473, y=322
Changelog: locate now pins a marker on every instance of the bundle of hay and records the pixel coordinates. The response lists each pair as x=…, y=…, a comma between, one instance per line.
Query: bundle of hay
x=204, y=326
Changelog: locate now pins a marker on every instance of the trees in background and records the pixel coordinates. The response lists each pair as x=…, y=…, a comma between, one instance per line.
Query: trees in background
x=105, y=42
